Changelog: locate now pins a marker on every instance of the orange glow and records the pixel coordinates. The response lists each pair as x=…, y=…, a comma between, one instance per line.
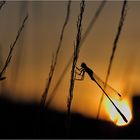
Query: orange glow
x=125, y=107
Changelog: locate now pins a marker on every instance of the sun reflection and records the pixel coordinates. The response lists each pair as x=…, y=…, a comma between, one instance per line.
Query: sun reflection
x=125, y=107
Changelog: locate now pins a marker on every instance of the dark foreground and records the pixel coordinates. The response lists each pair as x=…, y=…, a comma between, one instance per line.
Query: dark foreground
x=20, y=120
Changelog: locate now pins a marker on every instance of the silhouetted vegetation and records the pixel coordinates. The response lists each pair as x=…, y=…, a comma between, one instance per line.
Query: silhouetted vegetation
x=85, y=35
x=115, y=43
x=12, y=46
x=2, y=4
x=55, y=58
x=75, y=57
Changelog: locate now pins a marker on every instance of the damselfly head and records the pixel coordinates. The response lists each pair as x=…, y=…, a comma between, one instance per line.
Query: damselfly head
x=83, y=65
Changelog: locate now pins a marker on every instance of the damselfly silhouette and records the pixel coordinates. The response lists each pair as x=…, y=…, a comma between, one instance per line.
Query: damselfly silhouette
x=100, y=84
x=111, y=92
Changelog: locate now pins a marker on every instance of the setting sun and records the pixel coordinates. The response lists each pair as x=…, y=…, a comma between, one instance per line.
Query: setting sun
x=124, y=106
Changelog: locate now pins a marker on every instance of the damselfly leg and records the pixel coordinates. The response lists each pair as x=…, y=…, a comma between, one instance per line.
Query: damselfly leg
x=100, y=84
x=111, y=91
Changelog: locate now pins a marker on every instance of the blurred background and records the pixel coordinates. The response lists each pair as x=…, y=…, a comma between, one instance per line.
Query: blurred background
x=28, y=71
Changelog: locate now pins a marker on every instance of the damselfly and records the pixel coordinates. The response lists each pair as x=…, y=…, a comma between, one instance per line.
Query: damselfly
x=107, y=91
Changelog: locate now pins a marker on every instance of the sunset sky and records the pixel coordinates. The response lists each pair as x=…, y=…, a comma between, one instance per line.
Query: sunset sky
x=29, y=68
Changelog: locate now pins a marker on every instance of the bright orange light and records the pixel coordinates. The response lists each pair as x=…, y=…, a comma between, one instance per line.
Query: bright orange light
x=124, y=106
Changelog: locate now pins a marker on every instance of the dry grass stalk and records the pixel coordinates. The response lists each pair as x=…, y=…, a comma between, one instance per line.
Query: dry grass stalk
x=75, y=58
x=90, y=26
x=93, y=21
x=16, y=68
x=12, y=46
x=54, y=62
x=115, y=43
x=2, y=4
x=44, y=96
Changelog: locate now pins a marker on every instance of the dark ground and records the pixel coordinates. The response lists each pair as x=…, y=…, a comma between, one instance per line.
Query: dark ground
x=20, y=120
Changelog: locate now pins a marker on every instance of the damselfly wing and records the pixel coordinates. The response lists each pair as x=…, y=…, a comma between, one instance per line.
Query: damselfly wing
x=108, y=89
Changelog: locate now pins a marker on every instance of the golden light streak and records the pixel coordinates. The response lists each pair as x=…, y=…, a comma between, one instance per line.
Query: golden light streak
x=125, y=107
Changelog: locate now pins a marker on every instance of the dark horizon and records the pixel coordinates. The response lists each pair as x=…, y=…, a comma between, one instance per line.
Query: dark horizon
x=25, y=120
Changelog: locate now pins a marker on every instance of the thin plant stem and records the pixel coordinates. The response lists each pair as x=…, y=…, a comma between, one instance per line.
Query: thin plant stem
x=54, y=62
x=12, y=46
x=90, y=26
x=115, y=44
x=75, y=59
x=2, y=4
